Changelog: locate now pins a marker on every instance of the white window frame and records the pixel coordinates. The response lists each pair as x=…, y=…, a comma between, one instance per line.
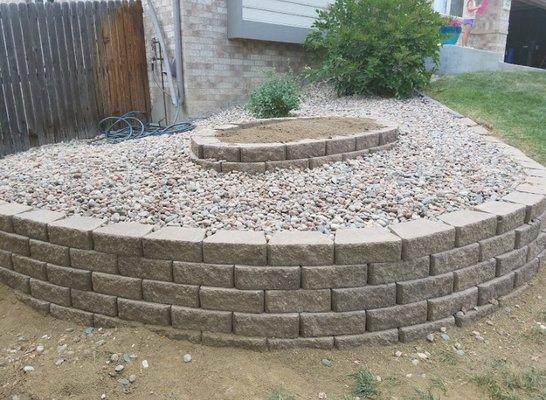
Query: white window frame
x=446, y=10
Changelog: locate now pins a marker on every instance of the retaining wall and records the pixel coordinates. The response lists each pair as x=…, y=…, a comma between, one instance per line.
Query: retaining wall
x=296, y=289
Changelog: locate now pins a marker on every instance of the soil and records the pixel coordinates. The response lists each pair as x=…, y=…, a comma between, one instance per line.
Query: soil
x=297, y=129
x=510, y=341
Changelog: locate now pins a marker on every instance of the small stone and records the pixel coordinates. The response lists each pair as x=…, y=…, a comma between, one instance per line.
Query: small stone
x=132, y=378
x=89, y=331
x=145, y=364
x=62, y=349
x=398, y=354
x=415, y=361
x=443, y=329
x=187, y=358
x=445, y=336
x=59, y=361
x=326, y=362
x=40, y=349
x=378, y=378
x=114, y=357
x=28, y=369
x=322, y=396
x=422, y=356
x=124, y=381
x=119, y=368
x=103, y=396
x=460, y=352
x=430, y=337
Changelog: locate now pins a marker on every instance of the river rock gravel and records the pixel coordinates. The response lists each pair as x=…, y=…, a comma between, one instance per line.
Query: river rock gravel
x=437, y=166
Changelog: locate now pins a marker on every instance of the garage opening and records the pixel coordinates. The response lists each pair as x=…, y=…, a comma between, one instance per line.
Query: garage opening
x=526, y=42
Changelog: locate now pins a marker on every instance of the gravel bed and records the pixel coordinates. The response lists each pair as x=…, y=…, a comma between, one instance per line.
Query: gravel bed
x=438, y=165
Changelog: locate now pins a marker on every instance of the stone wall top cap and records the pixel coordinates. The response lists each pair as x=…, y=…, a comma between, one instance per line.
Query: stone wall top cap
x=418, y=228
x=234, y=237
x=500, y=208
x=364, y=235
x=299, y=237
x=43, y=216
x=178, y=233
x=132, y=229
x=79, y=222
x=464, y=217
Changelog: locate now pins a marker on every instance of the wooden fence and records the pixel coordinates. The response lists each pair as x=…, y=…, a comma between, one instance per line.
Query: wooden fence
x=64, y=66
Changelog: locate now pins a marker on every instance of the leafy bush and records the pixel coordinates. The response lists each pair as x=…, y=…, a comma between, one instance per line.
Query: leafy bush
x=376, y=46
x=276, y=97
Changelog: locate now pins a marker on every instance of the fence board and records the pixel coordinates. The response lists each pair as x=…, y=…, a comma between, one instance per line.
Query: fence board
x=66, y=65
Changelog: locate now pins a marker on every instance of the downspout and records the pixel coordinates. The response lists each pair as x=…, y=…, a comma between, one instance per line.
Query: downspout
x=179, y=70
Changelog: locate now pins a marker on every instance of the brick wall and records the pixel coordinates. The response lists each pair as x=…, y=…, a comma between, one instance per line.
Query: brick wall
x=491, y=29
x=236, y=288
x=219, y=72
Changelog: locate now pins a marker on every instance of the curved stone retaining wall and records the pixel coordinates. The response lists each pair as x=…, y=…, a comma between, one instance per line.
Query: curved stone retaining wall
x=295, y=289
x=209, y=152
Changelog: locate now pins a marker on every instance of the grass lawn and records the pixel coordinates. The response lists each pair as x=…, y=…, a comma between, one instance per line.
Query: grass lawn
x=512, y=104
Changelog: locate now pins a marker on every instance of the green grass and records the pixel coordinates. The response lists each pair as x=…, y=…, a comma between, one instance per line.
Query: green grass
x=280, y=394
x=365, y=384
x=500, y=383
x=513, y=104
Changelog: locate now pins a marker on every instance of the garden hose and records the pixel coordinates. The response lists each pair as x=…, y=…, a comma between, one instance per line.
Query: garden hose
x=131, y=125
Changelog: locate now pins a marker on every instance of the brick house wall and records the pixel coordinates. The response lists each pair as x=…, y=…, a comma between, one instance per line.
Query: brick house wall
x=218, y=72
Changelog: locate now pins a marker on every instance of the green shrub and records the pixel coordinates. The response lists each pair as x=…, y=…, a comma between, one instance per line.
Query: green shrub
x=276, y=97
x=376, y=46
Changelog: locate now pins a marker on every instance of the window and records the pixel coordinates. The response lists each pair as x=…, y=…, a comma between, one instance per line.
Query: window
x=449, y=7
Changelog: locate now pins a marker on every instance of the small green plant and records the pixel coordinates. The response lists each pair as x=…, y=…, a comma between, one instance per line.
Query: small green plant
x=365, y=384
x=376, y=46
x=275, y=97
x=421, y=395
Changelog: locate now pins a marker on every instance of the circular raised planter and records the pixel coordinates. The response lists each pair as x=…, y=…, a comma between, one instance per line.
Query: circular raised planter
x=294, y=289
x=209, y=151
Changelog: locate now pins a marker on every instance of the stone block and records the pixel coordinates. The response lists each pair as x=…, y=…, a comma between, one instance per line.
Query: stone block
x=535, y=204
x=423, y=237
x=408, y=270
x=527, y=233
x=300, y=248
x=38, y=305
x=474, y=275
x=463, y=319
x=50, y=253
x=387, y=136
x=410, y=333
x=513, y=295
x=94, y=302
x=5, y=259
x=422, y=289
x=526, y=273
x=470, y=226
x=34, y=223
x=79, y=317
x=497, y=245
x=495, y=288
x=267, y=277
x=203, y=274
x=15, y=280
x=138, y=267
x=146, y=313
x=381, y=338
x=75, y=231
x=174, y=243
x=14, y=243
x=29, y=266
x=170, y=293
x=322, y=343
x=335, y=276
x=364, y=298
x=443, y=307
x=367, y=245
x=7, y=211
x=532, y=188
x=224, y=299
x=49, y=292
x=394, y=317
x=510, y=261
x=287, y=164
x=332, y=324
x=235, y=247
x=266, y=325
x=298, y=301
x=201, y=320
x=94, y=261
x=355, y=154
x=123, y=238
x=115, y=285
x=104, y=321
x=451, y=260
x=509, y=215
x=340, y=144
x=176, y=334
x=385, y=147
x=317, y=162
x=262, y=152
x=233, y=341
x=536, y=247
x=250, y=168
x=305, y=149
x=368, y=140
x=222, y=151
x=70, y=277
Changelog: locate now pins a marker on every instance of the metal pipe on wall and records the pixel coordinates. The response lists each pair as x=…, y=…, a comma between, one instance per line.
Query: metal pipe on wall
x=178, y=51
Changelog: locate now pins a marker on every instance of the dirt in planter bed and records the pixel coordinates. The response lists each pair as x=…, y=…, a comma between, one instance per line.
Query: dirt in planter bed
x=297, y=129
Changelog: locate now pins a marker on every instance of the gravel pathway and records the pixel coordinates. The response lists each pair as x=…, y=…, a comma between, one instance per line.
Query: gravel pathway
x=437, y=166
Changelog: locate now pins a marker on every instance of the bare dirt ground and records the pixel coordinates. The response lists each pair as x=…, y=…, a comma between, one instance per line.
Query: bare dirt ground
x=297, y=129
x=502, y=357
